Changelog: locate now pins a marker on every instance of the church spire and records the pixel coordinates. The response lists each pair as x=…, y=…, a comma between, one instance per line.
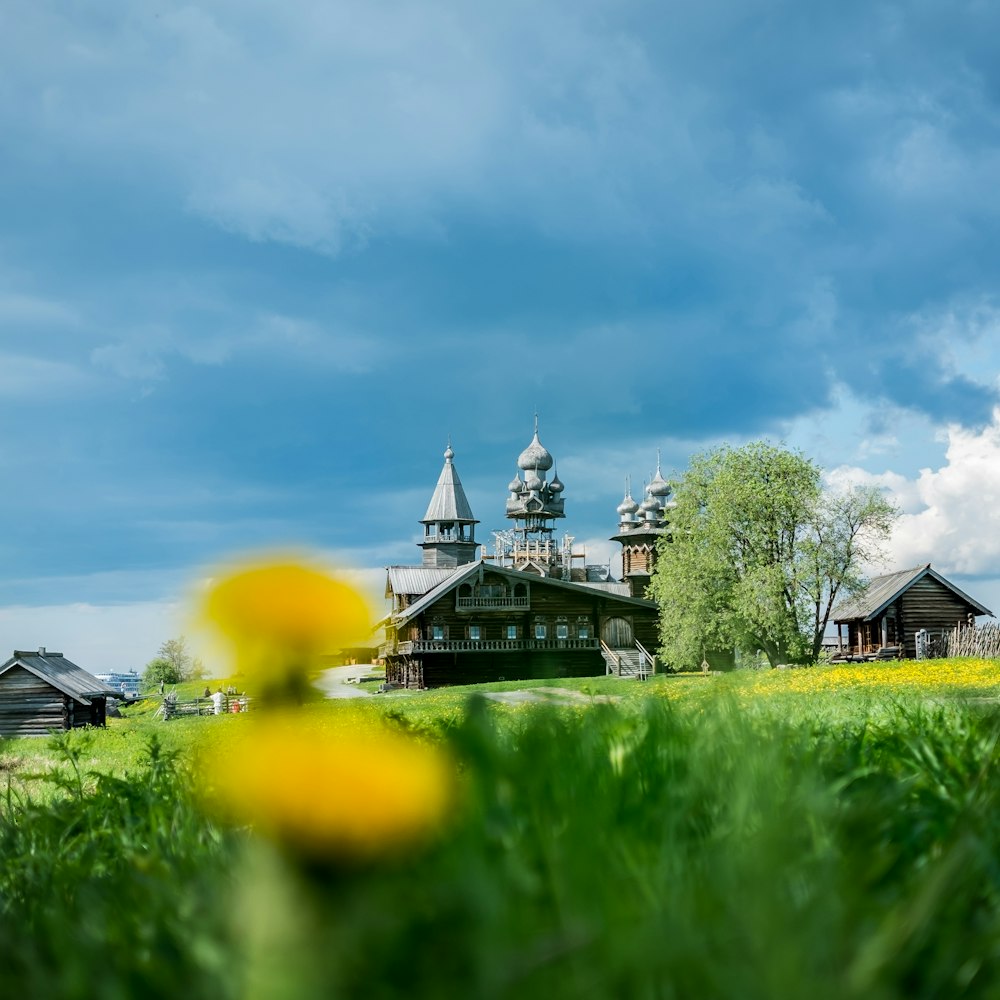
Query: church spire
x=449, y=524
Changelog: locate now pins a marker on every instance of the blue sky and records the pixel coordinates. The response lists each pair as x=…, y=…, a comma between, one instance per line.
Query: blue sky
x=258, y=261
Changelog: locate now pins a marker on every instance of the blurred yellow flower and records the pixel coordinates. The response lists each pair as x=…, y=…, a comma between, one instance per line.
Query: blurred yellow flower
x=354, y=794
x=280, y=616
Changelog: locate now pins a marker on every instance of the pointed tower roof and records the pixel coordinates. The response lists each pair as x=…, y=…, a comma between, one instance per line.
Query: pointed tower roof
x=449, y=502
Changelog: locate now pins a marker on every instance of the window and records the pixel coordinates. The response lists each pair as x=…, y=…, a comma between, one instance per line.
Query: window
x=562, y=630
x=475, y=633
x=583, y=630
x=437, y=632
x=541, y=631
x=511, y=631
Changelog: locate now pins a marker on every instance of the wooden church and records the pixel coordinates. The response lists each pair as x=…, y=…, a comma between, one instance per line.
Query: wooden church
x=530, y=609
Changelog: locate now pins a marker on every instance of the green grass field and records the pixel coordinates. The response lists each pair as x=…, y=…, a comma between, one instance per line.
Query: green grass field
x=830, y=832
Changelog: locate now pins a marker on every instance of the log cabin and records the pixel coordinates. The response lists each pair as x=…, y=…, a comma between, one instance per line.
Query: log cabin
x=42, y=691
x=883, y=619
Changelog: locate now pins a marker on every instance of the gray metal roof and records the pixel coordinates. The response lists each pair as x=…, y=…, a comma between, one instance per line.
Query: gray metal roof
x=448, y=501
x=621, y=589
x=63, y=674
x=883, y=590
x=414, y=579
x=463, y=572
x=455, y=577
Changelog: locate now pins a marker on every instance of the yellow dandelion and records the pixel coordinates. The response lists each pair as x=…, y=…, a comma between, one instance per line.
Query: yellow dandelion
x=352, y=794
x=279, y=617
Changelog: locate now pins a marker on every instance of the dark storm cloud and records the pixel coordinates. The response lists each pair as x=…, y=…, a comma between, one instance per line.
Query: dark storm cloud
x=249, y=244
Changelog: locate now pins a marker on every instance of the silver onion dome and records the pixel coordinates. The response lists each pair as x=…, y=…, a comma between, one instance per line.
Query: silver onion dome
x=658, y=486
x=628, y=505
x=650, y=505
x=535, y=456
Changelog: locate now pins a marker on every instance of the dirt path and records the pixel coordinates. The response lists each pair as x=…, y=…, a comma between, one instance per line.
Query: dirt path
x=333, y=682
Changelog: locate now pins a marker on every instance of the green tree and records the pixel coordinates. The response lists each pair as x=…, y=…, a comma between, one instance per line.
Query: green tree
x=173, y=663
x=758, y=554
x=160, y=669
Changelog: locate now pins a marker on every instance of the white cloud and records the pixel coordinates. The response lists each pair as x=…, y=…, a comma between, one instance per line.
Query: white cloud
x=951, y=515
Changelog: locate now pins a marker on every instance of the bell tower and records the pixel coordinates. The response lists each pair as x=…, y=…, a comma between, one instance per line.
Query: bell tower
x=640, y=528
x=449, y=525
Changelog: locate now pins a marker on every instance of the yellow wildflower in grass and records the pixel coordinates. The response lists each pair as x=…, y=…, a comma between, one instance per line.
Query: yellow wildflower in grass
x=942, y=677
x=281, y=616
x=353, y=793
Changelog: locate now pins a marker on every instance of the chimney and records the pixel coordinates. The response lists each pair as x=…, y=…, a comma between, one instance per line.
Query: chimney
x=41, y=650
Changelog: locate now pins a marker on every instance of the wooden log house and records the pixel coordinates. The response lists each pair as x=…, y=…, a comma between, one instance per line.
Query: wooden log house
x=883, y=619
x=526, y=611
x=42, y=691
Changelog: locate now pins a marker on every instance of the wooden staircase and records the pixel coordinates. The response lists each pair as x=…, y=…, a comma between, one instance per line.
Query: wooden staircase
x=627, y=661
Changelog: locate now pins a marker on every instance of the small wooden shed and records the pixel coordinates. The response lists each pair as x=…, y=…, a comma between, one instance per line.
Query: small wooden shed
x=41, y=691
x=884, y=618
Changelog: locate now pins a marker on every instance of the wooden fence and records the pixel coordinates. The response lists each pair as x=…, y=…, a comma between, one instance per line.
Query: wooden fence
x=973, y=640
x=172, y=708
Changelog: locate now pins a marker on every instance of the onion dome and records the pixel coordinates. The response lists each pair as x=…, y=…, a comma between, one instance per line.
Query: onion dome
x=628, y=505
x=650, y=505
x=535, y=482
x=535, y=456
x=556, y=486
x=658, y=486
x=515, y=485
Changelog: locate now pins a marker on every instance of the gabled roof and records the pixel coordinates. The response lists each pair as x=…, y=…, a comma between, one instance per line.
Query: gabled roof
x=464, y=573
x=448, y=501
x=62, y=674
x=883, y=590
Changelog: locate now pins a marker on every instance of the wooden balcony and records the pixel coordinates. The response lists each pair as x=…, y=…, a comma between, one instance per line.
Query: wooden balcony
x=419, y=646
x=508, y=603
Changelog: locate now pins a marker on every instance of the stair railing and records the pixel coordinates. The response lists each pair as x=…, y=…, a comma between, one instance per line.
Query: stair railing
x=644, y=671
x=610, y=654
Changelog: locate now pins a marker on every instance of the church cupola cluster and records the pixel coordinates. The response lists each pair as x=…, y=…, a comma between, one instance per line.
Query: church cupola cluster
x=449, y=525
x=535, y=502
x=534, y=505
x=640, y=527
